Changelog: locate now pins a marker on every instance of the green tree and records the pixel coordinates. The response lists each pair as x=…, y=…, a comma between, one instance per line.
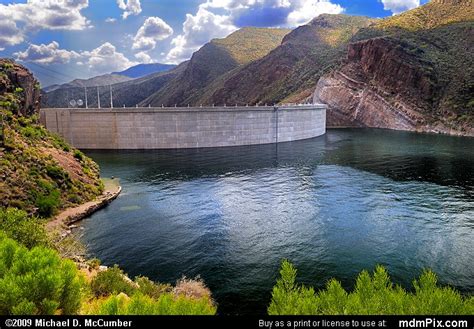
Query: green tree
x=37, y=281
x=112, y=281
x=373, y=295
x=28, y=231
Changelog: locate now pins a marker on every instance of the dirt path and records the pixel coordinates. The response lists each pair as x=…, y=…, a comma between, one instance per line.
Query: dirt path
x=71, y=215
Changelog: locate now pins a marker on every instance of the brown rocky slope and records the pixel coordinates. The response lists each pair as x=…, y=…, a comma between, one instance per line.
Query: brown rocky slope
x=408, y=72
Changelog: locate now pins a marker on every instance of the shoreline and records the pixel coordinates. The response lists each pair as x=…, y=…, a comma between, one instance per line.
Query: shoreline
x=65, y=219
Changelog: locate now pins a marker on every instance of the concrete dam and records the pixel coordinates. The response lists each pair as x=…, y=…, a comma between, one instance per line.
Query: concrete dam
x=175, y=128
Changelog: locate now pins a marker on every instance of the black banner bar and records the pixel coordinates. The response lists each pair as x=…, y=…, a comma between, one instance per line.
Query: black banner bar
x=277, y=322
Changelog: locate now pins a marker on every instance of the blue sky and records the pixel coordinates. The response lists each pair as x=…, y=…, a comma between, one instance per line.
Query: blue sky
x=64, y=39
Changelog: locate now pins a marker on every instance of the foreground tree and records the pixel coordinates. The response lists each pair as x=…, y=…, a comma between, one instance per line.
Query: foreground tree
x=373, y=295
x=37, y=281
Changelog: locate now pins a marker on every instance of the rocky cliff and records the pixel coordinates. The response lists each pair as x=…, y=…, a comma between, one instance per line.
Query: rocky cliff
x=16, y=80
x=413, y=72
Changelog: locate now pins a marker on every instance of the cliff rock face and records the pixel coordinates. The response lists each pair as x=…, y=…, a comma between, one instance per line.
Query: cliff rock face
x=379, y=86
x=400, y=75
x=17, y=79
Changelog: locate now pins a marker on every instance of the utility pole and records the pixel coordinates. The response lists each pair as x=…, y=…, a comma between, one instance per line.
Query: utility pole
x=85, y=94
x=111, y=99
x=98, y=98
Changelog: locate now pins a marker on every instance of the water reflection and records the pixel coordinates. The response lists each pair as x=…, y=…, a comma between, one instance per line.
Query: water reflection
x=334, y=205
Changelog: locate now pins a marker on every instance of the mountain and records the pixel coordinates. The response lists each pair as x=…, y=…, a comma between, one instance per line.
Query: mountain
x=127, y=93
x=133, y=72
x=413, y=71
x=142, y=70
x=184, y=82
x=293, y=68
x=101, y=80
x=39, y=172
x=215, y=59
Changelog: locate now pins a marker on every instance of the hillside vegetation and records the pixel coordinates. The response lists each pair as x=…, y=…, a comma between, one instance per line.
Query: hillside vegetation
x=40, y=173
x=250, y=43
x=37, y=281
x=434, y=14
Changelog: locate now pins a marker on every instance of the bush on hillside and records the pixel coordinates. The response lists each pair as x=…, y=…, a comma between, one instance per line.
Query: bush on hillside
x=140, y=304
x=28, y=231
x=37, y=281
x=48, y=203
x=112, y=281
x=373, y=295
x=143, y=296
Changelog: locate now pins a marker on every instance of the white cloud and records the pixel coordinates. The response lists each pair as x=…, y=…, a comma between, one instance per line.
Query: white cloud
x=299, y=12
x=46, y=54
x=10, y=34
x=110, y=20
x=105, y=59
x=154, y=29
x=305, y=10
x=197, y=30
x=399, y=6
x=245, y=4
x=131, y=7
x=143, y=57
x=216, y=19
x=48, y=14
x=18, y=19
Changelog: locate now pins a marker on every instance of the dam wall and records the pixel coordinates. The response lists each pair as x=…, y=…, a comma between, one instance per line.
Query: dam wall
x=174, y=128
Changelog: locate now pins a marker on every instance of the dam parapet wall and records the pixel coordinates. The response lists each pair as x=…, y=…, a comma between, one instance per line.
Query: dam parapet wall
x=175, y=128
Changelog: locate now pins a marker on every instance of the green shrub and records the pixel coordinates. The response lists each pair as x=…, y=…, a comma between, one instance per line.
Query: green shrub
x=48, y=203
x=373, y=295
x=58, y=142
x=150, y=288
x=144, y=296
x=166, y=304
x=56, y=172
x=26, y=230
x=37, y=281
x=32, y=132
x=94, y=263
x=78, y=155
x=112, y=281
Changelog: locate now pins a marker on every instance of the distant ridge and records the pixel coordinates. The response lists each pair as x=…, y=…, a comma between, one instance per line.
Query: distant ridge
x=142, y=70
x=101, y=80
x=215, y=59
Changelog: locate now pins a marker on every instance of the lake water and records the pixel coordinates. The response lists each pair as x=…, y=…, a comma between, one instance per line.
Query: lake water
x=333, y=205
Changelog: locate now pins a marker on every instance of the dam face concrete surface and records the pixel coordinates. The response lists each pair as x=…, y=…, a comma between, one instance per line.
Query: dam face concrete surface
x=174, y=128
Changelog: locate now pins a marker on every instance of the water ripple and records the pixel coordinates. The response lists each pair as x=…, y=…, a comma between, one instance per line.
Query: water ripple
x=333, y=205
